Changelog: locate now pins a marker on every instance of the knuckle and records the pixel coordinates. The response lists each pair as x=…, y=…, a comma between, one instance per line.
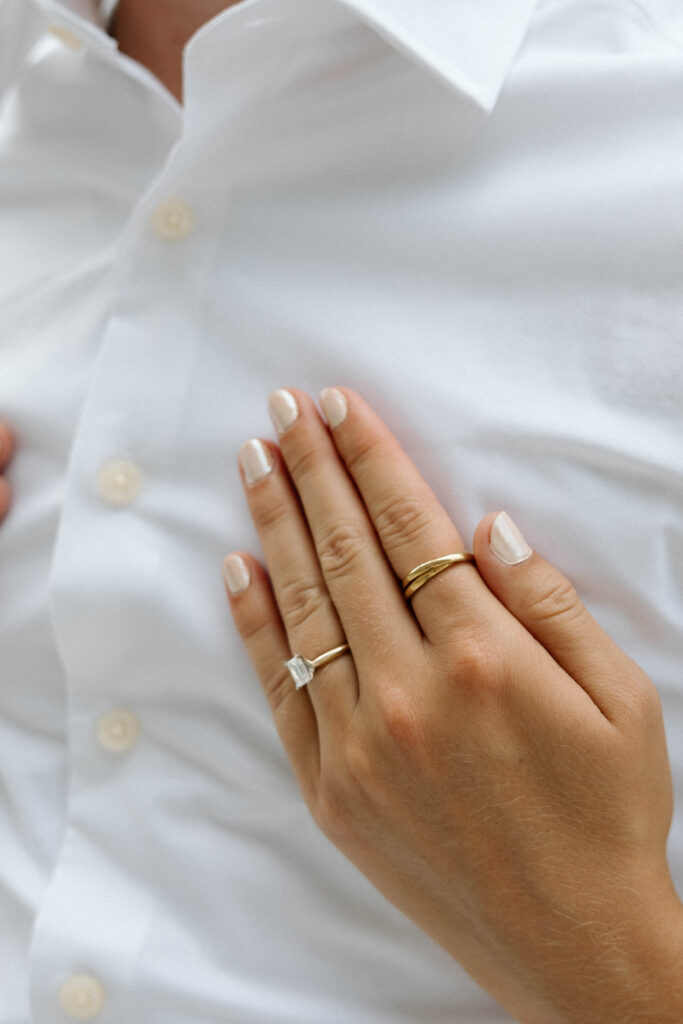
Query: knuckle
x=643, y=700
x=340, y=547
x=302, y=462
x=331, y=808
x=401, y=722
x=477, y=661
x=301, y=600
x=402, y=519
x=556, y=598
x=252, y=623
x=363, y=450
x=278, y=687
x=269, y=513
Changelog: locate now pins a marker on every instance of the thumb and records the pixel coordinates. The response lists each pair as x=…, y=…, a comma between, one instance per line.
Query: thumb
x=548, y=606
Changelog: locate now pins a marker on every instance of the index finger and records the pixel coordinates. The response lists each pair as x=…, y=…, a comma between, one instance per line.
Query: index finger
x=412, y=525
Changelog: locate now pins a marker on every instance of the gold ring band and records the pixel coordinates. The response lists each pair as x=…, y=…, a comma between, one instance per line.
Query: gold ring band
x=423, y=573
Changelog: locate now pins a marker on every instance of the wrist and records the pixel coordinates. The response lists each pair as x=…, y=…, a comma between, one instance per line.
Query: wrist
x=662, y=960
x=642, y=982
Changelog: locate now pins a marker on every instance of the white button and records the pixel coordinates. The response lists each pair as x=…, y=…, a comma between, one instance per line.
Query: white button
x=172, y=220
x=81, y=996
x=118, y=730
x=66, y=36
x=118, y=481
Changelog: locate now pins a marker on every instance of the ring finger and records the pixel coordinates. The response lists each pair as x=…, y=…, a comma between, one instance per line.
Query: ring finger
x=308, y=614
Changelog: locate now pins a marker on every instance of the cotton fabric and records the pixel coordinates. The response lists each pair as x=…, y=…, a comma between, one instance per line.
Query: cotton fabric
x=470, y=212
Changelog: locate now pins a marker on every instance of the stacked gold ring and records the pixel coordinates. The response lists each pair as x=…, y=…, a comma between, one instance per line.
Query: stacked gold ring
x=423, y=573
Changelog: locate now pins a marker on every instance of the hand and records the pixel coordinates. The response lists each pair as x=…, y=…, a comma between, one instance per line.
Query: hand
x=6, y=452
x=490, y=759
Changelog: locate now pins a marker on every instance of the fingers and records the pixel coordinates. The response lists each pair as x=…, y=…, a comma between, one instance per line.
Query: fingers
x=412, y=525
x=360, y=582
x=7, y=445
x=547, y=605
x=309, y=617
x=5, y=497
x=258, y=621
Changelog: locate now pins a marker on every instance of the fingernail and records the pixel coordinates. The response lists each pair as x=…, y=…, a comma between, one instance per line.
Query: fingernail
x=283, y=410
x=506, y=541
x=333, y=404
x=255, y=460
x=235, y=574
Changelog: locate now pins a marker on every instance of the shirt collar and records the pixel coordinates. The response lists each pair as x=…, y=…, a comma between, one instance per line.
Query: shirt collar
x=470, y=44
x=86, y=18
x=93, y=12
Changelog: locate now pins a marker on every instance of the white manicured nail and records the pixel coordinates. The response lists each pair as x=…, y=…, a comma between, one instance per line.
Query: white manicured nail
x=507, y=543
x=283, y=410
x=255, y=460
x=333, y=404
x=236, y=574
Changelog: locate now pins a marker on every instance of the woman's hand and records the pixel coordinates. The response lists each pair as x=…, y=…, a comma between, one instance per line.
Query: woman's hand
x=488, y=757
x=6, y=452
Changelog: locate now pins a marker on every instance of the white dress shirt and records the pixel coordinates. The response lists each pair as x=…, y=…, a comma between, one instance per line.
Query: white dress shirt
x=471, y=212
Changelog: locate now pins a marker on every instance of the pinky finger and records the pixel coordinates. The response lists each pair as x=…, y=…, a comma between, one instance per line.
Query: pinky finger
x=258, y=622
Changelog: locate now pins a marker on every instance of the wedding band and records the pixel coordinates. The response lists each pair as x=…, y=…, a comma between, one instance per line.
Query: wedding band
x=425, y=572
x=301, y=669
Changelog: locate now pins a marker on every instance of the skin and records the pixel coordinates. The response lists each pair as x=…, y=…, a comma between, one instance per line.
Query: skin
x=154, y=33
x=489, y=758
x=7, y=446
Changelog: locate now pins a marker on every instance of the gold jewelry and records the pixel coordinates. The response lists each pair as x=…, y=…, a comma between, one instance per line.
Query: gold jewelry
x=423, y=573
x=301, y=669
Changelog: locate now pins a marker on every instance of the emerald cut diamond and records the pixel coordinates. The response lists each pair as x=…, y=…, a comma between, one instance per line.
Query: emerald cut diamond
x=301, y=670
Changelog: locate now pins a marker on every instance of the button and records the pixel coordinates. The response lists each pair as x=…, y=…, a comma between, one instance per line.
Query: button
x=173, y=220
x=66, y=36
x=118, y=481
x=118, y=730
x=81, y=996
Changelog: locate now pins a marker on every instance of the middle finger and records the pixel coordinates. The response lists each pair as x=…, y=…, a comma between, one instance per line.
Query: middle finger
x=411, y=523
x=362, y=585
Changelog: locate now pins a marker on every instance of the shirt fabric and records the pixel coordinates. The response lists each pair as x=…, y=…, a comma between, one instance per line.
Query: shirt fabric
x=472, y=213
